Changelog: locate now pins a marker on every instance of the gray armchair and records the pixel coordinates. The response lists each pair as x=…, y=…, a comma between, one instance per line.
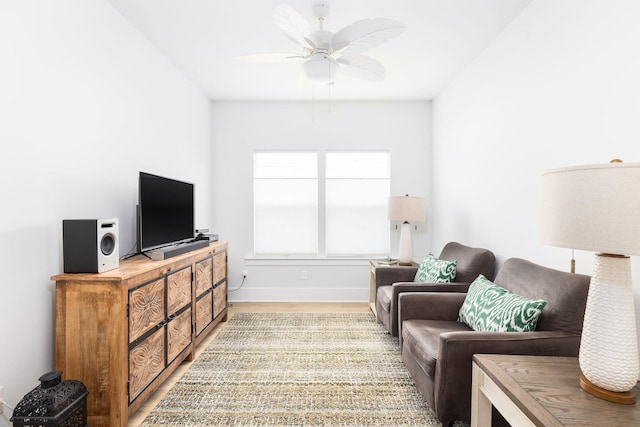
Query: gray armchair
x=437, y=350
x=390, y=282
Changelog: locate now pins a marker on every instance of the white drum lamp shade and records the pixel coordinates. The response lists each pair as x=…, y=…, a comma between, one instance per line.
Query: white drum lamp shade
x=406, y=209
x=597, y=208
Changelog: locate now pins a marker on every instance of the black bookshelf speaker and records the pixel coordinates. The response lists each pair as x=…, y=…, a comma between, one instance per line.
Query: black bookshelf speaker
x=90, y=245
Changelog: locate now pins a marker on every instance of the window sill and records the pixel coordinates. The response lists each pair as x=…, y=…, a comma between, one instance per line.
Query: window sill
x=306, y=261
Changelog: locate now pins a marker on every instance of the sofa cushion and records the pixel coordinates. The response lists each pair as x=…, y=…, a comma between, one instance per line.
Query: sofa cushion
x=565, y=293
x=434, y=270
x=422, y=340
x=470, y=261
x=491, y=308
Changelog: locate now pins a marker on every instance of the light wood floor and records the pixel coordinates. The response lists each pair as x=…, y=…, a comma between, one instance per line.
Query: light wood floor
x=244, y=307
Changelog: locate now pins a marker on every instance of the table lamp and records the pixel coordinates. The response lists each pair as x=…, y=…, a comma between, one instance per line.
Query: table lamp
x=406, y=208
x=597, y=208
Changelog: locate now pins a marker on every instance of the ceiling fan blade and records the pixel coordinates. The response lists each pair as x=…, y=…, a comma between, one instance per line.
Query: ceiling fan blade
x=292, y=24
x=270, y=57
x=361, y=67
x=310, y=43
x=365, y=34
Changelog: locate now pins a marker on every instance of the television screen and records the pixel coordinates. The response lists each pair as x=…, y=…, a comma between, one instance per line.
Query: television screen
x=165, y=211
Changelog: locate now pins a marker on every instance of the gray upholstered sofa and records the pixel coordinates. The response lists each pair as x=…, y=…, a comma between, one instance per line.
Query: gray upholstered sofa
x=390, y=282
x=438, y=350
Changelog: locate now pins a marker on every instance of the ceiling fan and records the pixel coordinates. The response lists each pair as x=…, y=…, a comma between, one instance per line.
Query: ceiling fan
x=325, y=53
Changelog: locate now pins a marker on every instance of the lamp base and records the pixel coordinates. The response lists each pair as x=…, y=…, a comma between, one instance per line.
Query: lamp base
x=405, y=250
x=609, y=346
x=625, y=398
x=405, y=264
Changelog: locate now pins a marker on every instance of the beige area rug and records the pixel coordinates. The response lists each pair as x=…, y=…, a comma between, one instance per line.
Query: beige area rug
x=290, y=369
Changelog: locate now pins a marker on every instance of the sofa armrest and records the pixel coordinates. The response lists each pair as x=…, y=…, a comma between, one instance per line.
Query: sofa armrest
x=386, y=276
x=542, y=343
x=428, y=305
x=403, y=287
x=453, y=368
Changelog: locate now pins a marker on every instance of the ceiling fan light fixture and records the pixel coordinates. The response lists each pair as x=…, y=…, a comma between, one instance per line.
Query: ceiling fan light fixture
x=324, y=52
x=320, y=68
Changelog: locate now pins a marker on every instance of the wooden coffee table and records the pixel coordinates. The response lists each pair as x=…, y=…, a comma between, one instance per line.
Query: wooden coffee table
x=540, y=391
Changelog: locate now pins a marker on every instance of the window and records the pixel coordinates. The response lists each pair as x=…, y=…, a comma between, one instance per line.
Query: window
x=285, y=203
x=357, y=193
x=306, y=204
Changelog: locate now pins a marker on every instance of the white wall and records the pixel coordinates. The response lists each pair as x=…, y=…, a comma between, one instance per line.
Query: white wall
x=239, y=128
x=559, y=87
x=86, y=103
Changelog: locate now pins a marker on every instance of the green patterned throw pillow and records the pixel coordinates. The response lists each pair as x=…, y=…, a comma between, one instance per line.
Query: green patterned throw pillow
x=491, y=308
x=434, y=270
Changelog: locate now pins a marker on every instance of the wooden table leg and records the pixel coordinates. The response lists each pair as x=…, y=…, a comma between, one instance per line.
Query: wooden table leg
x=480, y=404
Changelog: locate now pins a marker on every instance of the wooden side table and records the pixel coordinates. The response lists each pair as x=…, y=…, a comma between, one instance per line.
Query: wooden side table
x=373, y=265
x=540, y=391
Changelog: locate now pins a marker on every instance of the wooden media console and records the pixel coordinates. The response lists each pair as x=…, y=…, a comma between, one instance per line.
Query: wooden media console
x=124, y=331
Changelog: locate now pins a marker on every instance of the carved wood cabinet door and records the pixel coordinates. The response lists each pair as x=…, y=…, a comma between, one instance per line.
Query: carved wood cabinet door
x=220, y=283
x=204, y=276
x=146, y=362
x=178, y=312
x=146, y=308
x=178, y=290
x=219, y=298
x=204, y=312
x=178, y=334
x=219, y=267
x=204, y=302
x=146, y=335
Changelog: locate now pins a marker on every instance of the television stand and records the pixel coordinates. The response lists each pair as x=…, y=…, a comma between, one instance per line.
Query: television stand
x=122, y=333
x=175, y=250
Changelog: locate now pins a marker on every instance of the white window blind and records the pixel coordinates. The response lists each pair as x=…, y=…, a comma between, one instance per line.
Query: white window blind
x=308, y=205
x=285, y=200
x=357, y=192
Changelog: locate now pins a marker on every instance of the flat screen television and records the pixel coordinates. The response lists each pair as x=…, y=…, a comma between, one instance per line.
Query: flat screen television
x=165, y=212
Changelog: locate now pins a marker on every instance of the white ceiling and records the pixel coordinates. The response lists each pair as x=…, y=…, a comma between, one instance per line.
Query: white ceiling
x=203, y=37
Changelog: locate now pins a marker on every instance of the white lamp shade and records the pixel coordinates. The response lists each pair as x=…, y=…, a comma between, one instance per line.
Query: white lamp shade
x=407, y=208
x=594, y=208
